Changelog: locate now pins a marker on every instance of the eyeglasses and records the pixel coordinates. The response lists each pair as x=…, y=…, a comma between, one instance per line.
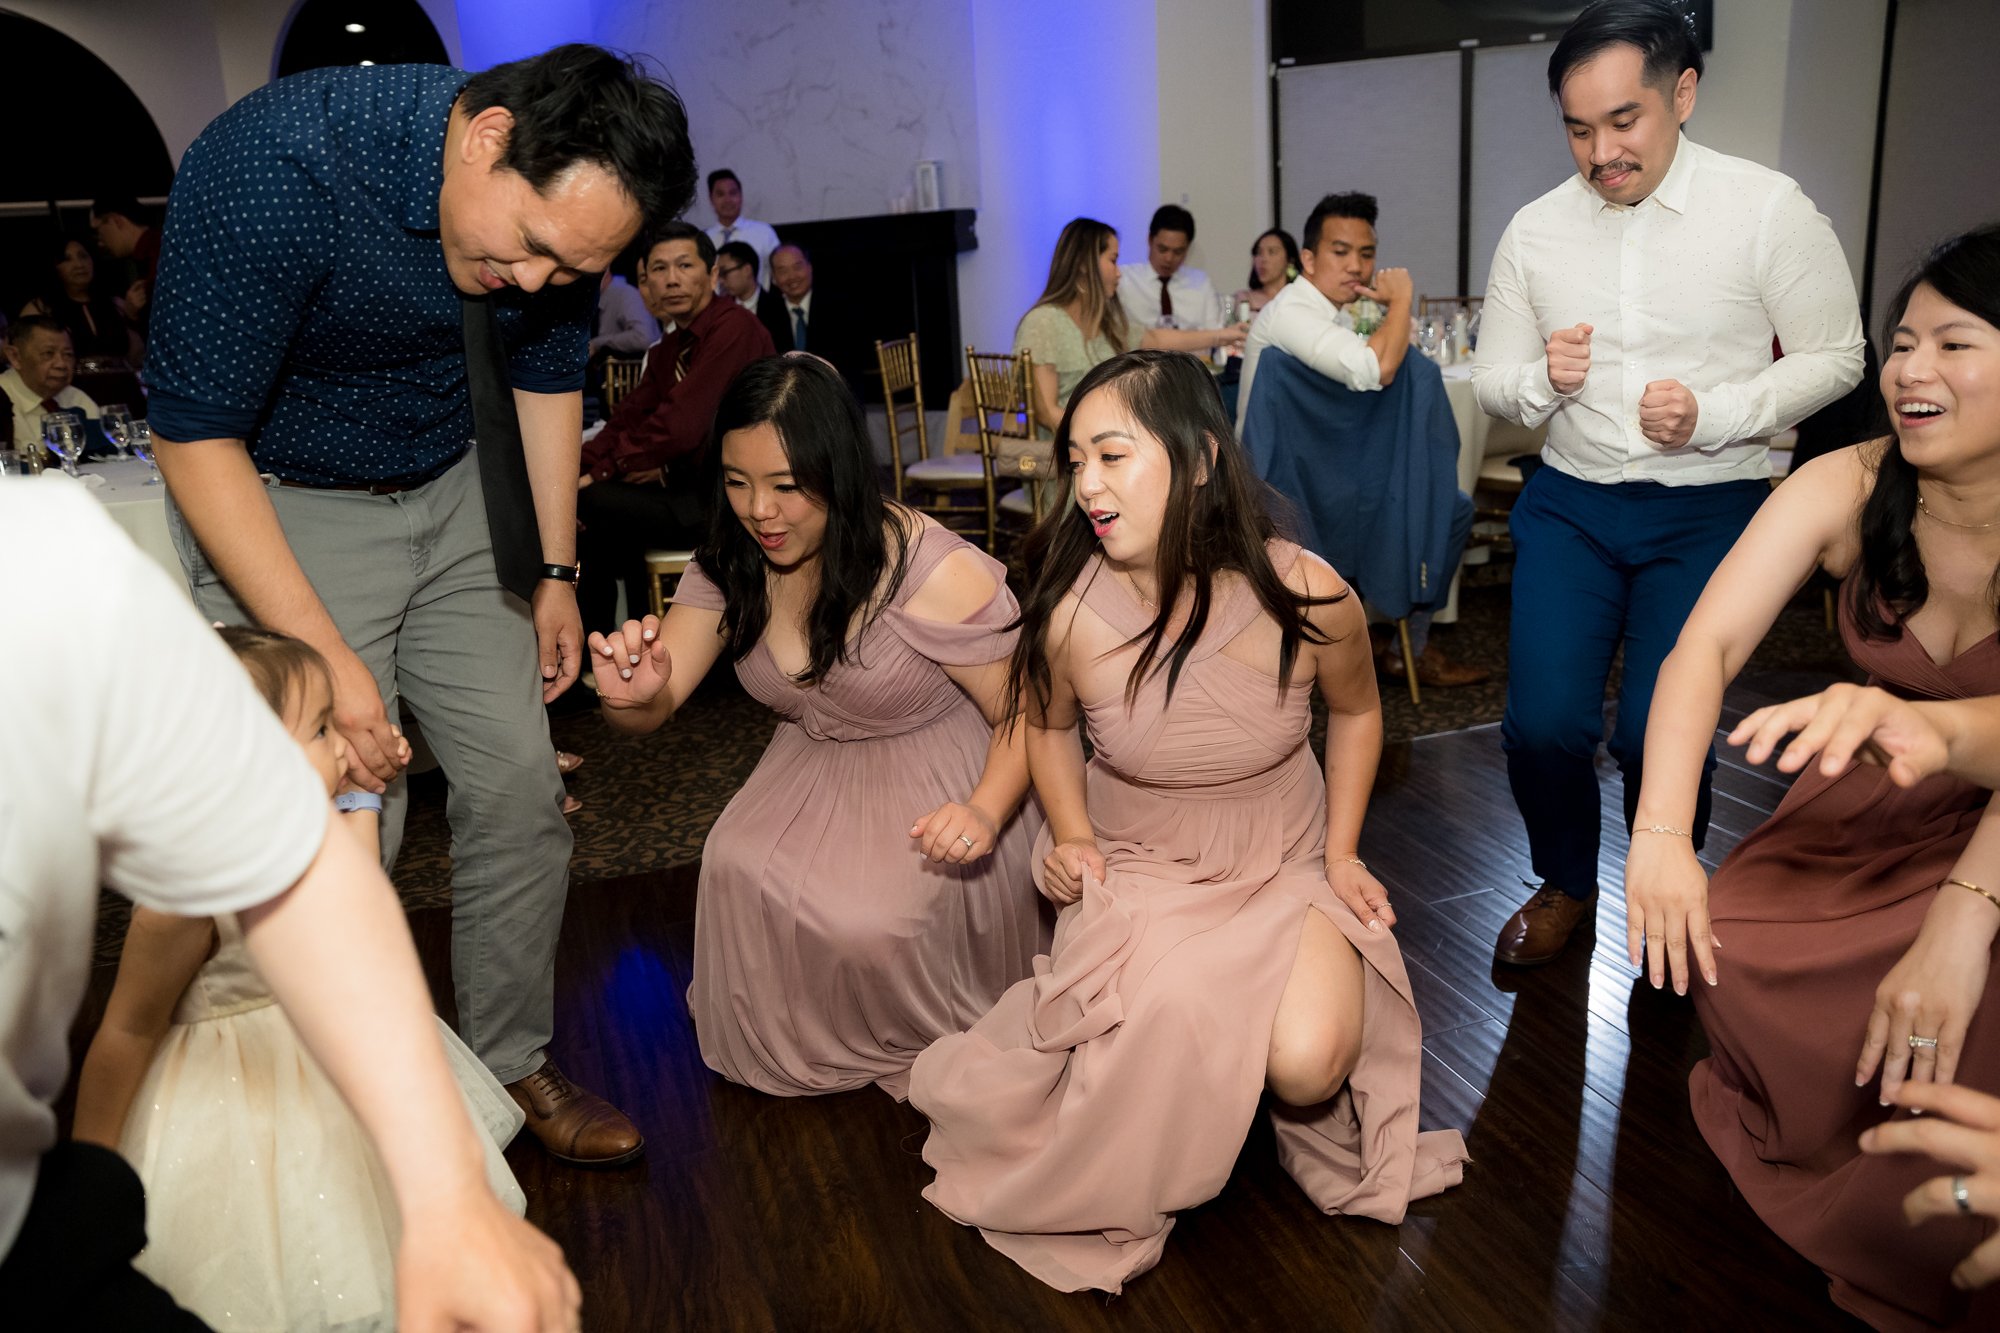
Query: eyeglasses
x=729, y=272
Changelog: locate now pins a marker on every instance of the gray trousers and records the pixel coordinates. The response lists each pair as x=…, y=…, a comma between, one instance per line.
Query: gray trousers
x=410, y=583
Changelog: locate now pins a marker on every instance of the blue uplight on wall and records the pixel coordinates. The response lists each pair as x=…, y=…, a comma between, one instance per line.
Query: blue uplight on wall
x=492, y=32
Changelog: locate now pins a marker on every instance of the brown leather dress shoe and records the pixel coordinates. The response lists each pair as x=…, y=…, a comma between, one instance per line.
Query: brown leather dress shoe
x=1537, y=933
x=576, y=1126
x=1433, y=668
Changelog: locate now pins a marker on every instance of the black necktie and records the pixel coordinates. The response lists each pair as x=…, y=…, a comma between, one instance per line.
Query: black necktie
x=1166, y=298
x=503, y=462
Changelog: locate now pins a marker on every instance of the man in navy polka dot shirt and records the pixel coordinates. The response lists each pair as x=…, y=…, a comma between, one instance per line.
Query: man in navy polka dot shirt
x=331, y=241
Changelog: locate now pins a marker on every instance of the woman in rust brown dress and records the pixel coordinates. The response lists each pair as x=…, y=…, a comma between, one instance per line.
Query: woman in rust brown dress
x=1849, y=938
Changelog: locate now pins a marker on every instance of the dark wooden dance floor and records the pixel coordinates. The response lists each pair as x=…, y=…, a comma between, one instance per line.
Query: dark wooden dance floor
x=1591, y=1201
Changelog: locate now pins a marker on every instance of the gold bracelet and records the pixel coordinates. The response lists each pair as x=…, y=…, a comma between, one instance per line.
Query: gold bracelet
x=1350, y=860
x=1976, y=889
x=1667, y=829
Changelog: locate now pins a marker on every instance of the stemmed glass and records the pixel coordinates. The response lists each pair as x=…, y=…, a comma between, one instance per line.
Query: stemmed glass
x=64, y=440
x=142, y=446
x=118, y=427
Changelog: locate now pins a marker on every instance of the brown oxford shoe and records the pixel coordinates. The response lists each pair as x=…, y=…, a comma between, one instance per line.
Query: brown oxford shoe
x=576, y=1126
x=1537, y=933
x=1433, y=668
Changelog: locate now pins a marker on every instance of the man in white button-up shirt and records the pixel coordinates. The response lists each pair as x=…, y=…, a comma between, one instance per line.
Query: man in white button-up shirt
x=1633, y=309
x=1312, y=319
x=1163, y=292
x=725, y=196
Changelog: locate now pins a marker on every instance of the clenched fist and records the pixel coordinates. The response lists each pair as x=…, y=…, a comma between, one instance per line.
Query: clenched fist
x=1569, y=358
x=1667, y=412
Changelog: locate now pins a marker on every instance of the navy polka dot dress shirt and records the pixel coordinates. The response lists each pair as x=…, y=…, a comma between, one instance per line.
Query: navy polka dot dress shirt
x=303, y=303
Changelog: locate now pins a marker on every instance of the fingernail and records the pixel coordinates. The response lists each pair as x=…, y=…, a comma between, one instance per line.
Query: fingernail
x=626, y=672
x=1883, y=1102
x=635, y=659
x=649, y=636
x=1860, y=1080
x=607, y=650
x=1709, y=977
x=1375, y=924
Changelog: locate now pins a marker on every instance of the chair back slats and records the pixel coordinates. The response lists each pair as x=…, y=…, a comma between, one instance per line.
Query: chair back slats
x=903, y=397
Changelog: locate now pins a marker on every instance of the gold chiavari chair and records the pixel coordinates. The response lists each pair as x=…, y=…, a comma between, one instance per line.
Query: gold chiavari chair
x=621, y=376
x=903, y=396
x=1019, y=468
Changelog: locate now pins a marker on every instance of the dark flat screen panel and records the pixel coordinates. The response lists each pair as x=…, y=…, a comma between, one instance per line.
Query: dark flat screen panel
x=1315, y=32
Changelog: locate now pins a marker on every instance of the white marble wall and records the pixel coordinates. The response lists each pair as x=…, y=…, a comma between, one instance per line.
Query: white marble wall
x=822, y=107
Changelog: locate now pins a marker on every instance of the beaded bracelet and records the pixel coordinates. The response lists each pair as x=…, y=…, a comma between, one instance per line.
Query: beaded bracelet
x=1976, y=889
x=1667, y=829
x=1349, y=860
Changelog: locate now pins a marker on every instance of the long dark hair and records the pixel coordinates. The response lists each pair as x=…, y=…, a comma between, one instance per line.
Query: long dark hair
x=826, y=441
x=1073, y=276
x=1222, y=524
x=1291, y=255
x=1965, y=271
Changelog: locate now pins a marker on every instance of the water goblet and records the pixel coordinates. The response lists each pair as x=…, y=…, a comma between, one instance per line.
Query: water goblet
x=142, y=448
x=118, y=428
x=64, y=440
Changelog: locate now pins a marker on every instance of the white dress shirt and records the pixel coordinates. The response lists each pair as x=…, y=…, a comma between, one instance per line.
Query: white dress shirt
x=1302, y=321
x=27, y=406
x=1690, y=284
x=757, y=235
x=624, y=327
x=179, y=788
x=1195, y=303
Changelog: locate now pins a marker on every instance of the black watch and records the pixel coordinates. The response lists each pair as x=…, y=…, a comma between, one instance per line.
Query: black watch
x=563, y=573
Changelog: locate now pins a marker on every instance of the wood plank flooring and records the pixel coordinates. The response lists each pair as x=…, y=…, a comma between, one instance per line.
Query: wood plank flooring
x=1591, y=1201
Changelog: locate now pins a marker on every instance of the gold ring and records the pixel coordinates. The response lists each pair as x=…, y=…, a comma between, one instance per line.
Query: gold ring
x=969, y=844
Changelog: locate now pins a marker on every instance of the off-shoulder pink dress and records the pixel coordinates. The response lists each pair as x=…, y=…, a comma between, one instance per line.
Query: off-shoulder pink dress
x=1117, y=1085
x=828, y=951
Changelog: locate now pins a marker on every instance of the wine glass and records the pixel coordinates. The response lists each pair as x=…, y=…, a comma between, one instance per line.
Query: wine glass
x=118, y=428
x=64, y=440
x=142, y=447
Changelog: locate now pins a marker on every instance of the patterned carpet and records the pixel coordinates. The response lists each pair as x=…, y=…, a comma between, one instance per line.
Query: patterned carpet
x=648, y=801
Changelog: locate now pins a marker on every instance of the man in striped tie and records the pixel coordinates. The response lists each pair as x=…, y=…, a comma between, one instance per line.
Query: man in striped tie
x=639, y=485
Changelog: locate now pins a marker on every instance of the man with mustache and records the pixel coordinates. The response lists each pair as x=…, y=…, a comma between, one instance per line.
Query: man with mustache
x=1632, y=309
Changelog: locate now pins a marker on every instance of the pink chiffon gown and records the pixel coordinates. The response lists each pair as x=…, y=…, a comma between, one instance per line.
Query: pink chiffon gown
x=1814, y=907
x=828, y=950
x=1116, y=1086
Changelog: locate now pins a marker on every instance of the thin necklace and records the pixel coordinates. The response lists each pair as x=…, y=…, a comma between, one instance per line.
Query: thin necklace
x=1952, y=523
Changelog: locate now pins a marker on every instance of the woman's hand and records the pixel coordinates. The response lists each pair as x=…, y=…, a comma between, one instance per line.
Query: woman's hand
x=1964, y=1131
x=1361, y=891
x=1666, y=909
x=630, y=665
x=1843, y=723
x=1930, y=993
x=956, y=832
x=1063, y=867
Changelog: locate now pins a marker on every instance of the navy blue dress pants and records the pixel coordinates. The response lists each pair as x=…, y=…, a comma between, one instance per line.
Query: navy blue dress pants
x=1595, y=566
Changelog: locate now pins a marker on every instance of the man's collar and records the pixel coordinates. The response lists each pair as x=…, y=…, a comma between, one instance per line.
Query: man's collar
x=709, y=314
x=1672, y=191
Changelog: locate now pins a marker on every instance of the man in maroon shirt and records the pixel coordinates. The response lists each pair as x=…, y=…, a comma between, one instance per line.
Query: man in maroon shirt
x=117, y=222
x=641, y=484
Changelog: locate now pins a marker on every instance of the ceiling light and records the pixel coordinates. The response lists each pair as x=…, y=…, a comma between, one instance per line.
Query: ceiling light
x=356, y=27
x=367, y=62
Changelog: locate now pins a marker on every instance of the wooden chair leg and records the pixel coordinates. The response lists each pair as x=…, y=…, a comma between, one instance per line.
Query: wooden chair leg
x=1409, y=661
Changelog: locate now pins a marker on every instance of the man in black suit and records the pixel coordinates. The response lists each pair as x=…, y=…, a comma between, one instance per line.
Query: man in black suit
x=792, y=311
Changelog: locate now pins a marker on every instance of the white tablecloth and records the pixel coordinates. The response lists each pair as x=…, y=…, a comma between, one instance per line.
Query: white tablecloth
x=120, y=486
